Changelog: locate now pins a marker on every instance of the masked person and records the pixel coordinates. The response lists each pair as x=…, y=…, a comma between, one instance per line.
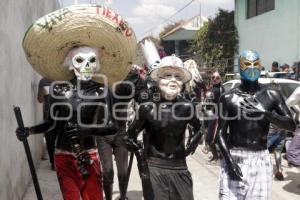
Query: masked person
x=43, y=97
x=213, y=99
x=275, y=143
x=293, y=152
x=114, y=145
x=79, y=106
x=248, y=110
x=164, y=123
x=196, y=87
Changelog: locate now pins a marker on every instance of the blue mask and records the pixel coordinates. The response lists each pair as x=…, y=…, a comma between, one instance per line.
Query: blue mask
x=250, y=67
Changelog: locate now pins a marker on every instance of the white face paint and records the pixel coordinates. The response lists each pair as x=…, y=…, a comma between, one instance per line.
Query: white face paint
x=216, y=78
x=170, y=85
x=84, y=61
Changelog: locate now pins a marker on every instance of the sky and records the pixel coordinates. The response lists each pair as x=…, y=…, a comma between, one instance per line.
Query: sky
x=149, y=17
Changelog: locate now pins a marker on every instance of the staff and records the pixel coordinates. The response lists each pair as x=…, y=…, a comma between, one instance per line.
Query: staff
x=19, y=119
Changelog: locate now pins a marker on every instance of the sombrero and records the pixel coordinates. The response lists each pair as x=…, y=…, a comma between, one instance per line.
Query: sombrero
x=171, y=63
x=50, y=38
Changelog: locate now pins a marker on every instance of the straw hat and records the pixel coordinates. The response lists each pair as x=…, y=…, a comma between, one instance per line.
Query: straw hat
x=171, y=63
x=50, y=38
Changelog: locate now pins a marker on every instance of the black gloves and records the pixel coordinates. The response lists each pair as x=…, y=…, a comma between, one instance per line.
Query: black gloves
x=192, y=146
x=22, y=133
x=234, y=171
x=83, y=160
x=131, y=144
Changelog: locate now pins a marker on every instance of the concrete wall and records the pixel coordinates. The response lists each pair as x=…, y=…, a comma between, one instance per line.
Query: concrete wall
x=274, y=34
x=18, y=87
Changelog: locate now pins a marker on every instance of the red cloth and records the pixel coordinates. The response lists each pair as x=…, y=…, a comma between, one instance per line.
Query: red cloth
x=72, y=185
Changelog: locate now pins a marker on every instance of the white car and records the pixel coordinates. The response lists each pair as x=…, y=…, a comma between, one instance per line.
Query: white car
x=277, y=74
x=286, y=86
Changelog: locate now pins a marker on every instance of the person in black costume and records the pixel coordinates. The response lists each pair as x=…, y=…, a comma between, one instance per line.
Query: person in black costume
x=108, y=146
x=78, y=109
x=214, y=95
x=114, y=144
x=50, y=137
x=248, y=110
x=82, y=54
x=293, y=151
x=164, y=123
x=196, y=87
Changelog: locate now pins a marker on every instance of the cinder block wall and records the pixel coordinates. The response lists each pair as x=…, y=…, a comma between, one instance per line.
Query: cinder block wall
x=18, y=87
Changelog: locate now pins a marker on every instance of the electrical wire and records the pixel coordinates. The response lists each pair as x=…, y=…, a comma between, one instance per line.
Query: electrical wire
x=156, y=13
x=154, y=27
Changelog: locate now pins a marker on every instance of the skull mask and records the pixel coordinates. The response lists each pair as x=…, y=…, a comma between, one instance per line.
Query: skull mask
x=84, y=61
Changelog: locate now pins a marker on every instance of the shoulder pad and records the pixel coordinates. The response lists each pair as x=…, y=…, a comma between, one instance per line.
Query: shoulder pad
x=59, y=89
x=100, y=89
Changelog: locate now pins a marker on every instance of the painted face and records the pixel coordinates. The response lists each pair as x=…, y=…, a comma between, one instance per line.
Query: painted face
x=216, y=78
x=250, y=66
x=84, y=62
x=170, y=84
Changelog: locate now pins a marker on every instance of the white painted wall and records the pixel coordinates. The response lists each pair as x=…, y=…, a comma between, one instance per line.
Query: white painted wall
x=274, y=34
x=18, y=87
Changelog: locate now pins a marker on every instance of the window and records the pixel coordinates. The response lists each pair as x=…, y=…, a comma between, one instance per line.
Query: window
x=257, y=7
x=286, y=88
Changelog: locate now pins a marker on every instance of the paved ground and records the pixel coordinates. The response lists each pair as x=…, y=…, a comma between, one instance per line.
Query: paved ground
x=205, y=182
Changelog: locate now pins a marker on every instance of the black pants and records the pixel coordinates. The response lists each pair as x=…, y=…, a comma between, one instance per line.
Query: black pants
x=50, y=143
x=171, y=184
x=210, y=137
x=107, y=146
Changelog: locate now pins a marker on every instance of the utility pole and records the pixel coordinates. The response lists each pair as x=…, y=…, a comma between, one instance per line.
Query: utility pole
x=298, y=69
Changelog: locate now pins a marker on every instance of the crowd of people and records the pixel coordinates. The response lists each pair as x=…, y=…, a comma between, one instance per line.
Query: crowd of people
x=91, y=121
x=291, y=72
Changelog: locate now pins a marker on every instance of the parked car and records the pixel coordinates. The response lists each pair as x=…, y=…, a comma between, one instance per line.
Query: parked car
x=263, y=74
x=277, y=74
x=286, y=86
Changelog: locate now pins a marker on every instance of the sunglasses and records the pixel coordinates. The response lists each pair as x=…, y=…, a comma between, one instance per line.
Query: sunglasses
x=169, y=76
x=215, y=77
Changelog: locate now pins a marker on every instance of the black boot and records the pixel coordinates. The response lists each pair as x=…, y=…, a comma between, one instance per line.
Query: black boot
x=108, y=189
